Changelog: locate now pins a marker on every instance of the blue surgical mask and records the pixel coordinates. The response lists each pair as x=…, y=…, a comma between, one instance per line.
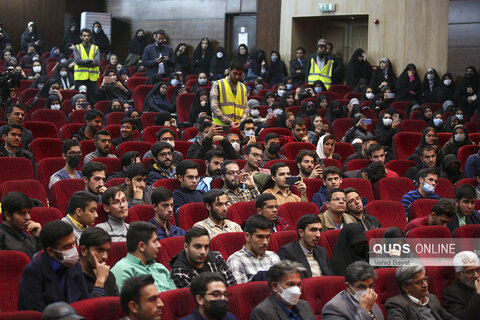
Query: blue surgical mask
x=317, y=89
x=437, y=122
x=459, y=117
x=174, y=82
x=289, y=86
x=428, y=189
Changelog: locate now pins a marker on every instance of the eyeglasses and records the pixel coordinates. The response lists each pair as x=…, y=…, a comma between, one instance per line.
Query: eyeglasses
x=339, y=199
x=118, y=202
x=71, y=154
x=165, y=154
x=219, y=294
x=167, y=139
x=354, y=200
x=420, y=282
x=363, y=287
x=471, y=272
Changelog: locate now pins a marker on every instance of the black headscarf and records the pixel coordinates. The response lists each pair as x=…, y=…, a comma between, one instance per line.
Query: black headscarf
x=308, y=110
x=332, y=114
x=352, y=246
x=182, y=62
x=137, y=44
x=70, y=37
x=201, y=59
x=196, y=108
x=68, y=80
x=357, y=70
x=319, y=100
x=50, y=99
x=430, y=86
x=100, y=39
x=244, y=58
x=256, y=64
x=278, y=70
x=44, y=92
x=404, y=86
x=218, y=65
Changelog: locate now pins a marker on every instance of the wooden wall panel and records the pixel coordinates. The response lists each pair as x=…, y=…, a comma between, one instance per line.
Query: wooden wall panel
x=268, y=23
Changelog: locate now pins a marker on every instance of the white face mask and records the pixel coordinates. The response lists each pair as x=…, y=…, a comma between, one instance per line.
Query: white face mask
x=63, y=73
x=82, y=89
x=459, y=137
x=278, y=112
x=55, y=106
x=281, y=93
x=63, y=60
x=202, y=82
x=174, y=82
x=40, y=86
x=387, y=122
x=369, y=95
x=358, y=294
x=390, y=95
x=37, y=69
x=317, y=89
x=274, y=58
x=428, y=189
x=219, y=55
x=430, y=76
x=96, y=29
x=459, y=116
x=236, y=146
x=290, y=295
x=70, y=257
x=447, y=82
x=437, y=122
x=255, y=113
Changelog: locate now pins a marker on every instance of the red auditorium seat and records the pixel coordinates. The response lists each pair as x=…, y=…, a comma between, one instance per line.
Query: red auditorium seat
x=24, y=84
x=328, y=240
x=291, y=149
x=217, y=183
x=88, y=146
x=134, y=82
x=105, y=308
x=112, y=164
x=77, y=116
x=143, y=212
x=292, y=211
x=118, y=251
x=468, y=235
x=102, y=106
x=412, y=125
x=279, y=131
x=443, y=137
x=357, y=164
x=444, y=188
x=404, y=144
x=473, y=126
x=114, y=182
x=170, y=184
x=140, y=146
x=331, y=95
x=470, y=181
x=239, y=212
x=280, y=238
x=183, y=146
x=46, y=148
x=102, y=215
x=20, y=315
x=139, y=95
x=340, y=127
x=375, y=234
x=46, y=167
x=246, y=296
x=294, y=109
x=28, y=93
x=389, y=213
x=62, y=191
x=313, y=186
x=178, y=303
x=43, y=215
x=393, y=188
x=67, y=106
x=184, y=103
x=169, y=248
x=114, y=118
x=401, y=105
x=292, y=164
x=13, y=263
x=148, y=119
x=191, y=213
x=344, y=149
x=67, y=131
x=400, y=166
x=421, y=208
x=362, y=185
x=439, y=278
x=351, y=95
x=317, y=291
x=57, y=117
x=189, y=133
x=463, y=154
x=475, y=137
x=149, y=133
x=341, y=89
x=31, y=187
x=228, y=243
x=332, y=163
x=385, y=286
x=41, y=129
x=15, y=169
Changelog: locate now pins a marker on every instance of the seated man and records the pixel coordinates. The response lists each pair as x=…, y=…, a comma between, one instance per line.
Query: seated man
x=284, y=282
x=82, y=212
x=162, y=201
x=462, y=297
x=356, y=210
x=103, y=142
x=16, y=115
x=306, y=250
x=115, y=205
x=213, y=163
x=427, y=178
x=376, y=153
x=253, y=157
x=55, y=275
x=72, y=153
x=442, y=213
x=169, y=136
x=335, y=217
x=272, y=148
x=94, y=248
x=216, y=204
x=94, y=176
x=16, y=223
x=140, y=299
x=127, y=159
x=307, y=167
x=465, y=196
x=233, y=179
x=428, y=160
x=415, y=302
x=361, y=154
x=472, y=165
x=253, y=261
x=267, y=206
x=299, y=132
x=163, y=167
x=92, y=122
x=196, y=258
x=60, y=310
x=332, y=179
x=281, y=190
x=142, y=246
x=187, y=174
x=210, y=293
x=11, y=136
x=358, y=300
x=136, y=188
x=127, y=131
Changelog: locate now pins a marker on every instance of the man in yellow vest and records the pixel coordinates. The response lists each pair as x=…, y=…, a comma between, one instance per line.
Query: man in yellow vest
x=87, y=61
x=228, y=97
x=319, y=66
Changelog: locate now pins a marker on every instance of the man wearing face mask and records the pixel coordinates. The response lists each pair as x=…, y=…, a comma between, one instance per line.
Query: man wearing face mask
x=272, y=148
x=284, y=281
x=357, y=301
x=72, y=154
x=319, y=66
x=55, y=275
x=158, y=57
x=427, y=180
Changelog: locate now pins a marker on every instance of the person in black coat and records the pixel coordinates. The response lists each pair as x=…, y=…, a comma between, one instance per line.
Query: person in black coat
x=258, y=67
x=409, y=85
x=135, y=48
x=31, y=35
x=298, y=67
x=156, y=54
x=467, y=92
x=446, y=90
x=71, y=38
x=200, y=106
x=384, y=76
x=182, y=60
x=431, y=83
x=100, y=38
x=219, y=65
x=308, y=230
x=358, y=68
x=202, y=56
x=278, y=70
x=156, y=100
x=352, y=245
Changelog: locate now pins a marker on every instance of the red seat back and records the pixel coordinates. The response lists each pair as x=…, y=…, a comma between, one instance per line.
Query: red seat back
x=280, y=238
x=118, y=251
x=357, y=164
x=420, y=208
x=464, y=152
x=375, y=234
x=239, y=212
x=292, y=164
x=313, y=186
x=178, y=303
x=363, y=186
x=400, y=166
x=404, y=144
x=439, y=277
x=77, y=116
x=385, y=286
x=148, y=119
x=340, y=127
x=170, y=247
x=228, y=243
x=184, y=103
x=473, y=126
x=102, y=105
x=393, y=188
x=31, y=187
x=191, y=213
x=46, y=148
x=105, y=308
x=344, y=149
x=279, y=131
x=246, y=296
x=13, y=263
x=15, y=169
x=412, y=125
x=46, y=167
x=57, y=117
x=43, y=215
x=291, y=149
x=134, y=82
x=183, y=146
x=189, y=133
x=140, y=146
x=149, y=133
x=69, y=129
x=114, y=182
x=41, y=129
x=20, y=315
x=328, y=240
x=444, y=188
x=292, y=211
x=139, y=95
x=114, y=117
x=341, y=89
x=170, y=184
x=389, y=213
x=112, y=164
x=318, y=291
x=62, y=191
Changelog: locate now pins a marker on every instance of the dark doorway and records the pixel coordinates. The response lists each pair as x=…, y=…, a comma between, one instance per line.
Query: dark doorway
x=243, y=28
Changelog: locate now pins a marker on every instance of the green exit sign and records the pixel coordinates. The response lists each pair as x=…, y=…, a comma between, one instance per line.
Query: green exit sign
x=326, y=7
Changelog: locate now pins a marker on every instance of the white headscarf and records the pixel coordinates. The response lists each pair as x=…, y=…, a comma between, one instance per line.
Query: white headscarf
x=320, y=152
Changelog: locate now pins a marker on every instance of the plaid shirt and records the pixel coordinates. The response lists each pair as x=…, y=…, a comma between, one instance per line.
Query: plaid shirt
x=183, y=276
x=244, y=264
x=248, y=194
x=214, y=230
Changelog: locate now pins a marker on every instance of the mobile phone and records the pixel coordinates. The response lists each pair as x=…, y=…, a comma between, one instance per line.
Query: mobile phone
x=395, y=117
x=109, y=79
x=292, y=180
x=249, y=133
x=366, y=121
x=225, y=129
x=84, y=105
x=269, y=110
x=243, y=178
x=325, y=127
x=435, y=141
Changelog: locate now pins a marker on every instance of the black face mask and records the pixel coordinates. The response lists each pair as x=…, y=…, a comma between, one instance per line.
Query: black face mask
x=273, y=148
x=468, y=75
x=216, y=309
x=322, y=55
x=311, y=112
x=337, y=112
x=74, y=161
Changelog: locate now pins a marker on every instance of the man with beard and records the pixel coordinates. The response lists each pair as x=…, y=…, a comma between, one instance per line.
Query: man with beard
x=163, y=167
x=216, y=204
x=12, y=134
x=267, y=206
x=233, y=178
x=440, y=215
x=72, y=153
x=319, y=66
x=92, y=123
x=462, y=297
x=208, y=134
x=103, y=142
x=196, y=258
x=127, y=130
x=94, y=177
x=356, y=210
x=167, y=135
x=272, y=148
x=210, y=293
x=187, y=174
x=16, y=115
x=136, y=188
x=306, y=164
x=213, y=162
x=162, y=202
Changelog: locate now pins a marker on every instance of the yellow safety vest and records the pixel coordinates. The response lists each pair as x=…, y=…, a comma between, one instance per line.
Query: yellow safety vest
x=324, y=75
x=232, y=106
x=86, y=73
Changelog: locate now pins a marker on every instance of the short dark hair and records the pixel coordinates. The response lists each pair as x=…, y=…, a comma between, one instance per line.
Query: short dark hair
x=159, y=146
x=223, y=167
x=135, y=169
x=199, y=284
x=131, y=290
x=110, y=194
x=15, y=201
x=368, y=139
x=373, y=148
x=262, y=199
x=203, y=125
x=195, y=232
x=213, y=153
x=305, y=220
x=444, y=207
x=465, y=191
x=9, y=127
x=212, y=195
x=139, y=231
x=423, y=173
x=331, y=170
x=303, y=153
x=130, y=121
x=161, y=194
x=53, y=231
x=249, y=147
x=428, y=147
x=81, y=199
x=244, y=122
x=183, y=166
x=127, y=157
x=270, y=136
x=300, y=48
x=15, y=105
x=359, y=271
x=94, y=237
x=68, y=144
x=283, y=268
x=87, y=30
x=163, y=131
x=350, y=190
x=99, y=133
x=332, y=191
x=92, y=166
x=91, y=115
x=256, y=222
x=277, y=165
x=236, y=64
x=298, y=121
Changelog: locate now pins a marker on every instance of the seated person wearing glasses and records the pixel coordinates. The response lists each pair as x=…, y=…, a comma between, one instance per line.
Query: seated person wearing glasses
x=116, y=205
x=335, y=217
x=169, y=136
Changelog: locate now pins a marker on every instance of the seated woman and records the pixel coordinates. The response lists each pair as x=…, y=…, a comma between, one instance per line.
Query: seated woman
x=431, y=83
x=112, y=87
x=317, y=129
x=446, y=89
x=258, y=67
x=336, y=111
x=351, y=246
x=436, y=121
x=288, y=99
x=429, y=137
x=284, y=119
x=308, y=109
x=321, y=102
x=450, y=123
x=202, y=81
x=269, y=99
x=459, y=139
x=385, y=130
x=383, y=77
x=409, y=85
x=53, y=102
x=219, y=65
x=37, y=70
x=115, y=106
x=156, y=100
x=325, y=148
x=64, y=77
x=358, y=130
x=200, y=106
